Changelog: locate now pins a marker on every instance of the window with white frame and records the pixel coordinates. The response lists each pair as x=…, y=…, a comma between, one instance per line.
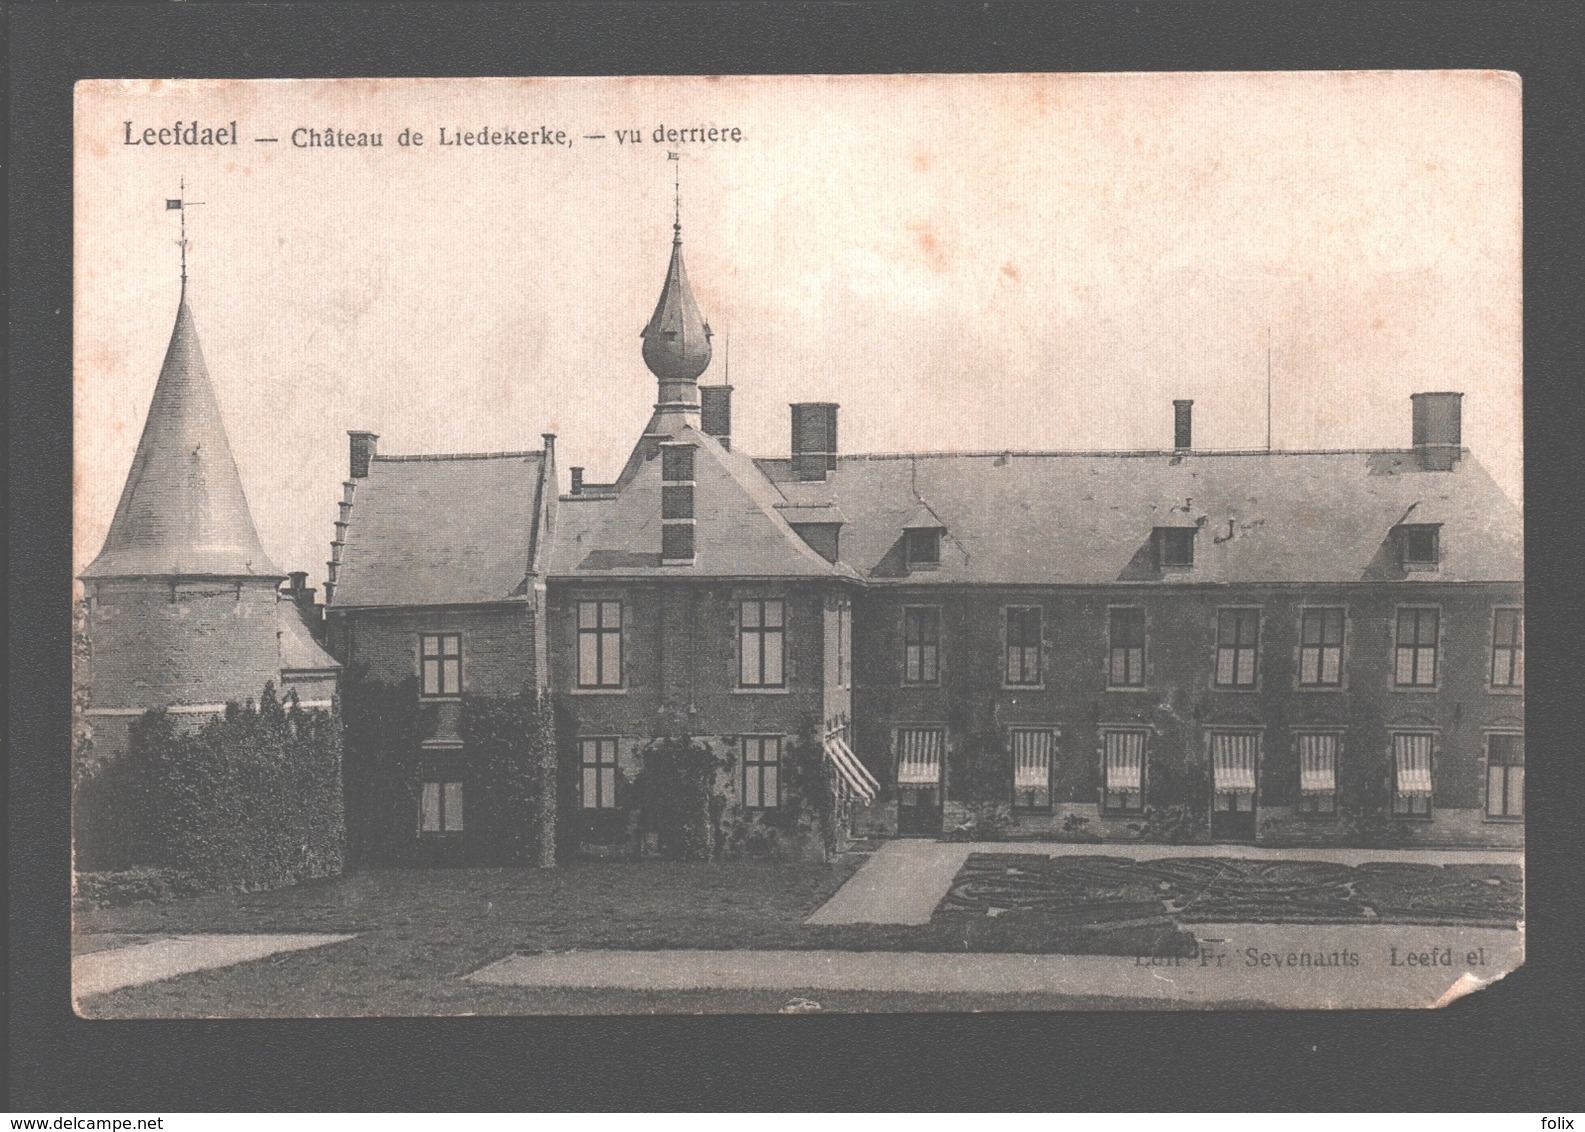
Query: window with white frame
x=919, y=751
x=1126, y=630
x=921, y=644
x=598, y=765
x=1321, y=648
x=1507, y=648
x=1411, y=785
x=440, y=664
x=1023, y=645
x=1415, y=649
x=1318, y=773
x=762, y=630
x=1124, y=771
x=440, y=808
x=600, y=644
x=1237, y=647
x=1505, y=776
x=761, y=771
x=1031, y=751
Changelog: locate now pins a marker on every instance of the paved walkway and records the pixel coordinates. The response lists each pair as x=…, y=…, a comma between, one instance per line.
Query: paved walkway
x=1289, y=966
x=98, y=972
x=905, y=879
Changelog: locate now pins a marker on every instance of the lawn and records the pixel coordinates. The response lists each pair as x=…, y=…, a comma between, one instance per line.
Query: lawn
x=420, y=930
x=1115, y=890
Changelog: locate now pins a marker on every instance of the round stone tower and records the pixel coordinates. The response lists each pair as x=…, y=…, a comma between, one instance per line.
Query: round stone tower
x=182, y=599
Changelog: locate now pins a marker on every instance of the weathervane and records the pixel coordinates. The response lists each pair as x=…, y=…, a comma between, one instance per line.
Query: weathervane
x=676, y=192
x=182, y=204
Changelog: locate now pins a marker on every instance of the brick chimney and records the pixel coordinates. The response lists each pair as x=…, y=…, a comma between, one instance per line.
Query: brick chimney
x=814, y=439
x=1438, y=430
x=1182, y=425
x=715, y=410
x=362, y=447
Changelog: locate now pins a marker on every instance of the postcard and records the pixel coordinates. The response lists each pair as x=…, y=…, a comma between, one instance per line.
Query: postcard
x=797, y=544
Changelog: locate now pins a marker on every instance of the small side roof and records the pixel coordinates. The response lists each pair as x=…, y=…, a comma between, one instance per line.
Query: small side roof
x=299, y=651
x=441, y=530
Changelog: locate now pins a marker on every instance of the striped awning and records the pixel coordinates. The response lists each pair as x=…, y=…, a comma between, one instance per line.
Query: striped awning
x=1233, y=761
x=1317, y=764
x=1412, y=754
x=1125, y=760
x=919, y=756
x=850, y=770
x=1031, y=759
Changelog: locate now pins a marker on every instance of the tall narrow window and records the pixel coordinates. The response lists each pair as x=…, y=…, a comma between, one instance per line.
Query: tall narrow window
x=1237, y=647
x=1023, y=645
x=844, y=645
x=440, y=664
x=1127, y=665
x=1411, y=757
x=1124, y=790
x=598, y=759
x=599, y=644
x=440, y=807
x=676, y=504
x=1318, y=773
x=1505, y=776
x=1321, y=648
x=1507, y=648
x=761, y=772
x=921, y=645
x=1416, y=648
x=761, y=639
x=919, y=756
x=1031, y=767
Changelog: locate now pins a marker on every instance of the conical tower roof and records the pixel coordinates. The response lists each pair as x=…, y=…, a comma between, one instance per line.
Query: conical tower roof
x=183, y=511
x=677, y=339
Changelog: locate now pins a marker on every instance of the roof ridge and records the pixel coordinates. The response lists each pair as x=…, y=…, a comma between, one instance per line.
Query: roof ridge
x=438, y=456
x=996, y=453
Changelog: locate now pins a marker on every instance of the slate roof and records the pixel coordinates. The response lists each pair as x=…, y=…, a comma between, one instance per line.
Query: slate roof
x=182, y=511
x=441, y=530
x=1087, y=518
x=299, y=651
x=739, y=532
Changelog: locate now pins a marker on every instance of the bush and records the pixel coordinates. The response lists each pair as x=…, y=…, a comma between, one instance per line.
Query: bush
x=384, y=725
x=676, y=795
x=251, y=799
x=1175, y=824
x=143, y=884
x=511, y=746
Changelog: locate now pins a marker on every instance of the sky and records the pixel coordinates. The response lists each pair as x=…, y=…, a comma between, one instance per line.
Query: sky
x=964, y=263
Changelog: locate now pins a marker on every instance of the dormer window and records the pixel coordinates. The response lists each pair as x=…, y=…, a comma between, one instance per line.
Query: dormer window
x=1175, y=546
x=1420, y=545
x=923, y=546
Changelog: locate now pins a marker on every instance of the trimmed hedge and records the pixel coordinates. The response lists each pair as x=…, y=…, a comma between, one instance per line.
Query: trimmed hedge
x=250, y=800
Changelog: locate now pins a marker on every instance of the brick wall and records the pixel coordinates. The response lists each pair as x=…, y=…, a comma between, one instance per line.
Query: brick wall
x=190, y=642
x=497, y=643
x=1179, y=703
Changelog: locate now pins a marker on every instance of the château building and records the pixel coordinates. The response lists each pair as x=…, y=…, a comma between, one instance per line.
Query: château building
x=1282, y=644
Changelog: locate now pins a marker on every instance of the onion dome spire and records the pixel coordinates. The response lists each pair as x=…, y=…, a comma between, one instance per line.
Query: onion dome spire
x=182, y=511
x=677, y=339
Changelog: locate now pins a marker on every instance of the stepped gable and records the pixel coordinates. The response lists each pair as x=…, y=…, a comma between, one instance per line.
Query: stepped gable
x=1087, y=518
x=183, y=511
x=441, y=530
